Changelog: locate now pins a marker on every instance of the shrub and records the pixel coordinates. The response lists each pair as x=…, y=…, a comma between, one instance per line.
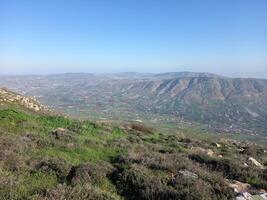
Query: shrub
x=13, y=162
x=138, y=183
x=253, y=150
x=24, y=185
x=52, y=165
x=89, y=172
x=78, y=192
x=197, y=189
x=141, y=127
x=232, y=169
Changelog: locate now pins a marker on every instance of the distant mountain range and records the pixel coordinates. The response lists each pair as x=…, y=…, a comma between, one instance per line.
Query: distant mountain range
x=232, y=105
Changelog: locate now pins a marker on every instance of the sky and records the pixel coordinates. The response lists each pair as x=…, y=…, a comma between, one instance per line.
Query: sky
x=227, y=37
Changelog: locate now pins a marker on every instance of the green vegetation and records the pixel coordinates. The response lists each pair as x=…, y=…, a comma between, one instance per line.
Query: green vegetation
x=48, y=156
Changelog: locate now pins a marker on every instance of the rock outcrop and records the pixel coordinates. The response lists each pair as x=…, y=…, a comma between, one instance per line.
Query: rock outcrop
x=7, y=96
x=255, y=162
x=238, y=186
x=248, y=196
x=187, y=174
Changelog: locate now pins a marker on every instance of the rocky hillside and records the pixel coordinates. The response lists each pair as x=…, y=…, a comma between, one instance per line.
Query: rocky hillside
x=7, y=96
x=49, y=157
x=201, y=89
x=228, y=105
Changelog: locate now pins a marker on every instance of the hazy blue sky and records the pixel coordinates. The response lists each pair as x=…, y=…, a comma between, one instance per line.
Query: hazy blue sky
x=228, y=37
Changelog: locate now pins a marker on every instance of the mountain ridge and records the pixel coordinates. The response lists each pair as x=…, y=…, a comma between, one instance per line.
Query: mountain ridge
x=231, y=105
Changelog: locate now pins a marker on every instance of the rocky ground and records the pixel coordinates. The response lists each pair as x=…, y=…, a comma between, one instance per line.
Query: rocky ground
x=7, y=96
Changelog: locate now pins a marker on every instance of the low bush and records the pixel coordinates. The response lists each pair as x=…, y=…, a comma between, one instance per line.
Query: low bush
x=55, y=166
x=78, y=192
x=13, y=162
x=89, y=173
x=197, y=189
x=141, y=127
x=137, y=182
x=253, y=150
x=232, y=169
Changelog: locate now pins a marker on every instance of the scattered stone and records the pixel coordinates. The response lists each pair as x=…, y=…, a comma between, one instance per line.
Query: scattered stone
x=238, y=186
x=31, y=103
x=216, y=144
x=241, y=150
x=243, y=196
x=248, y=196
x=208, y=152
x=263, y=196
x=187, y=174
x=255, y=162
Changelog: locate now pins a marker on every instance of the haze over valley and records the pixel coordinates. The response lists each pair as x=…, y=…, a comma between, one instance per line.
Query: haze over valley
x=212, y=102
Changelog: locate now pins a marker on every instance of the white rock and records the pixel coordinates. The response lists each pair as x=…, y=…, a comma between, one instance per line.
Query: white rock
x=244, y=196
x=255, y=162
x=237, y=186
x=218, y=145
x=263, y=196
x=210, y=153
x=187, y=174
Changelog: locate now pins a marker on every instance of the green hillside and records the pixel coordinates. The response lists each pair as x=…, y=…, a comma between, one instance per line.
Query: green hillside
x=49, y=156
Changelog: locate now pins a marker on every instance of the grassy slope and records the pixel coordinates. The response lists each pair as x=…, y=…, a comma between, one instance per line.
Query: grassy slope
x=140, y=161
